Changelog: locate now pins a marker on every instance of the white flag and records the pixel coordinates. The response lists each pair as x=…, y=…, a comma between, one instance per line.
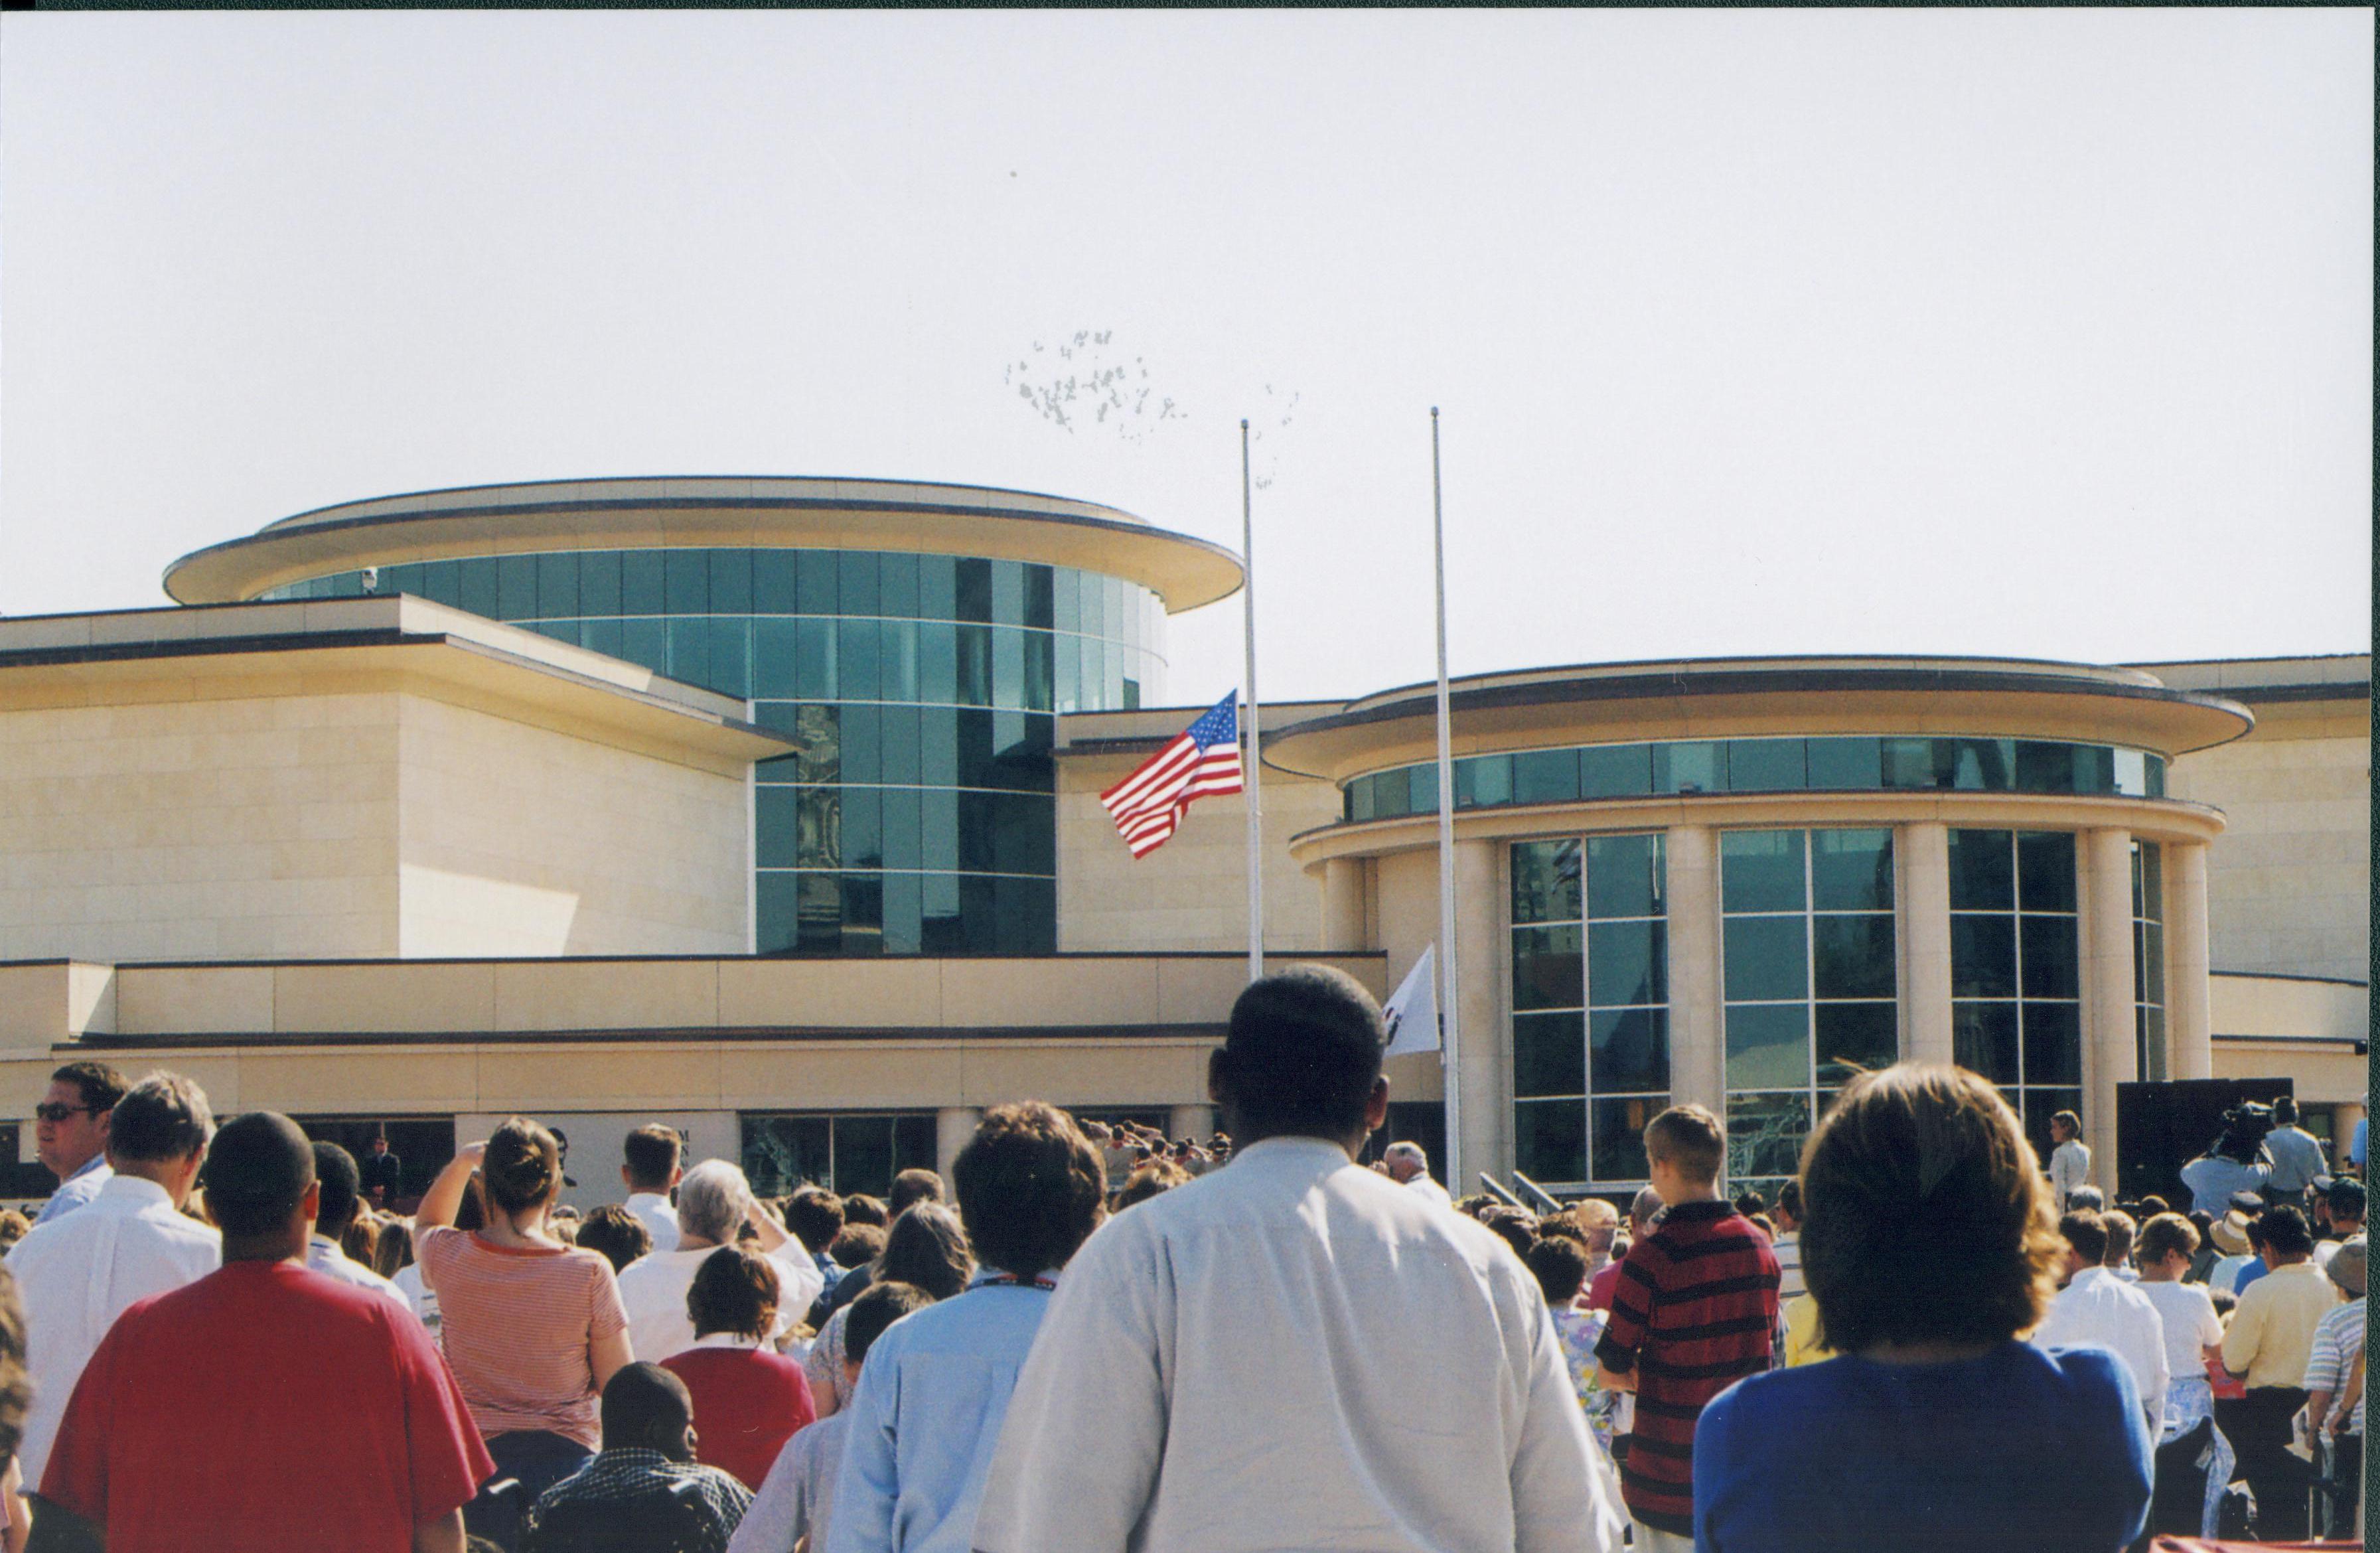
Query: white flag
x=1411, y=1014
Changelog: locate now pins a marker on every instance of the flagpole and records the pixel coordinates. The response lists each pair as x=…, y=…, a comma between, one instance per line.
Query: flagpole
x=1446, y=956
x=1256, y=755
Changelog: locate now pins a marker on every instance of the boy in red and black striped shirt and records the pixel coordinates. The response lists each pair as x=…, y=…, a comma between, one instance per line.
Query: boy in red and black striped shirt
x=1692, y=1315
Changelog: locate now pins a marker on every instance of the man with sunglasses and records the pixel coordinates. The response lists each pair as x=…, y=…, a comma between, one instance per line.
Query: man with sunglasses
x=70, y=1132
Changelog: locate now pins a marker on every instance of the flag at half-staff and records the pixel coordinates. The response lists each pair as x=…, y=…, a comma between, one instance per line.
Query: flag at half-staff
x=1203, y=760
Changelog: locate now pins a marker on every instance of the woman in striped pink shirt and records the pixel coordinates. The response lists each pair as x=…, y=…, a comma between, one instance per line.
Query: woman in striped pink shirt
x=532, y=1328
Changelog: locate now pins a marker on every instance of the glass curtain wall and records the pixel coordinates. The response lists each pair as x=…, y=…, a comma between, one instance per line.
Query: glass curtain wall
x=2016, y=976
x=2148, y=960
x=920, y=815
x=1590, y=1007
x=845, y=1154
x=1811, y=984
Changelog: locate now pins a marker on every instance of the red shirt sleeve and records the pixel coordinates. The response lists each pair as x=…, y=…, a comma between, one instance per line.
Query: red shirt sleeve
x=447, y=1460
x=76, y=1474
x=1634, y=1295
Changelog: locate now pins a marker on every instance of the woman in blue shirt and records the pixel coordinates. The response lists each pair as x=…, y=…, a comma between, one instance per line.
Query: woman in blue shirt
x=1929, y=1243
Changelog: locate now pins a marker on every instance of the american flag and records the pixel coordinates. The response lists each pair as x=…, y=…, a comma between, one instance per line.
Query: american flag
x=1203, y=759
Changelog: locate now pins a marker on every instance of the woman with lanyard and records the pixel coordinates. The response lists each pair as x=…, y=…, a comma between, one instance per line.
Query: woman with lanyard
x=929, y=1406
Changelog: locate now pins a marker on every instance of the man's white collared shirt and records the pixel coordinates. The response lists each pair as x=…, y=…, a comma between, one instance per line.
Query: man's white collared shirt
x=653, y=1211
x=76, y=1275
x=653, y=1289
x=1294, y=1352
x=2100, y=1309
x=77, y=1189
x=323, y=1256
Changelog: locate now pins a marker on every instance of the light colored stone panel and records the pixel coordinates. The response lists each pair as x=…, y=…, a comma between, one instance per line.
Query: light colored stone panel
x=599, y=1077
x=193, y=1000
x=1199, y=991
x=34, y=1007
x=607, y=995
x=385, y=999
x=778, y=994
x=842, y=1074
x=1127, y=1074
x=1004, y=993
x=359, y=1079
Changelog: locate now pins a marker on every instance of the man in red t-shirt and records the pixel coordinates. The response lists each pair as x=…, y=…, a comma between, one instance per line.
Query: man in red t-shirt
x=265, y=1405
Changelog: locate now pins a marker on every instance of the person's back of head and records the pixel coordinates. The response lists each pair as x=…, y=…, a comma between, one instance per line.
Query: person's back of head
x=1600, y=1220
x=733, y=1291
x=857, y=1245
x=927, y=1246
x=814, y=1217
x=2165, y=1235
x=1514, y=1227
x=877, y=1308
x=13, y=1226
x=342, y=1186
x=712, y=1201
x=2120, y=1231
x=522, y=1166
x=162, y=1119
x=1748, y=1203
x=360, y=1242
x=1789, y=1205
x=618, y=1235
x=1300, y=1058
x=2346, y=1201
x=258, y=1170
x=1560, y=1266
x=2086, y=1199
x=2152, y=1205
x=646, y=1408
x=2085, y=1234
x=858, y=1208
x=1031, y=1188
x=913, y=1186
x=2224, y=1300
x=1689, y=1139
x=2285, y=1112
x=394, y=1252
x=650, y=1156
x=1642, y=1211
x=2284, y=1234
x=1151, y=1179
x=1927, y=1219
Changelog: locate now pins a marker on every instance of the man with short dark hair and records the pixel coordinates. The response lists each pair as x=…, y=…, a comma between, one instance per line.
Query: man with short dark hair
x=1292, y=1352
x=70, y=1132
x=2096, y=1306
x=654, y=1166
x=263, y=1362
x=1786, y=1216
x=77, y=1274
x=814, y=1217
x=336, y=1175
x=645, y=1478
x=1695, y=1310
x=383, y=1174
x=2297, y=1157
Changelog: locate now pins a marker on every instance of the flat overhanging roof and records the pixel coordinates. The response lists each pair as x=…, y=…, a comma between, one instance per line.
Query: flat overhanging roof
x=765, y=512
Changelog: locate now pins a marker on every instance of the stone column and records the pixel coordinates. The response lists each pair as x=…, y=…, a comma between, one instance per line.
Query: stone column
x=2109, y=1055
x=1342, y=905
x=2189, y=1025
x=1483, y=1042
x=1697, y=1040
x=1191, y=1121
x=1925, y=941
x=954, y=1125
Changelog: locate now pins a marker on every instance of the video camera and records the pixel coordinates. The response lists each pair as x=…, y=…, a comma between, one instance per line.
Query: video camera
x=2246, y=1126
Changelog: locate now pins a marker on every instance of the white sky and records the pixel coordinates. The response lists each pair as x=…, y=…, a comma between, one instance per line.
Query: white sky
x=2037, y=332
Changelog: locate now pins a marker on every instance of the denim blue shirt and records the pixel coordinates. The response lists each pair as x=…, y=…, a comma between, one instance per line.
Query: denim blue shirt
x=77, y=1189
x=923, y=1420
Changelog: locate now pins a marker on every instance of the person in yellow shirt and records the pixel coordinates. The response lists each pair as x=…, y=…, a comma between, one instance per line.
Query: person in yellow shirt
x=1805, y=1343
x=2269, y=1339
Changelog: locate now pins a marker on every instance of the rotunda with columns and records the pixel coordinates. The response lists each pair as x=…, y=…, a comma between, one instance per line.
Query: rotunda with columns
x=1739, y=881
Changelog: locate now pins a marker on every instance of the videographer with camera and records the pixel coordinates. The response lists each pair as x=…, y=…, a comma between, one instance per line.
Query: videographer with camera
x=2237, y=1161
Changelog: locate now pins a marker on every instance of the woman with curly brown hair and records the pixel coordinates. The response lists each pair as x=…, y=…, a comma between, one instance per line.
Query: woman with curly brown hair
x=1929, y=1243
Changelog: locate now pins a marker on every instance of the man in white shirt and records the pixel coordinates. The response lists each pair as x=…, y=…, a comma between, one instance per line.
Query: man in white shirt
x=77, y=1274
x=1786, y=1216
x=2297, y=1156
x=713, y=1202
x=2099, y=1309
x=2069, y=1162
x=1292, y=1352
x=70, y=1132
x=652, y=1153
x=342, y=1183
x=1408, y=1166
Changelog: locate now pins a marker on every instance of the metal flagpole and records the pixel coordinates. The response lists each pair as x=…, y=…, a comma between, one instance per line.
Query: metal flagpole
x=1446, y=1005
x=1254, y=761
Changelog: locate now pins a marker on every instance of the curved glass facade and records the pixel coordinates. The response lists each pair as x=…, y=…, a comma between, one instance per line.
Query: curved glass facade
x=1808, y=765
x=919, y=815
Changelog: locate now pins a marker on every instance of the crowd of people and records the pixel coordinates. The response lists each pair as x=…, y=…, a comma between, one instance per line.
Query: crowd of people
x=1092, y=1336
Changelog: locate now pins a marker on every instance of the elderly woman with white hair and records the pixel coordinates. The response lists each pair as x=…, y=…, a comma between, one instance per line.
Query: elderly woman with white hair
x=714, y=1202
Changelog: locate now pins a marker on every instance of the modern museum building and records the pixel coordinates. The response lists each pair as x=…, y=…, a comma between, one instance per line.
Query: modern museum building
x=769, y=808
